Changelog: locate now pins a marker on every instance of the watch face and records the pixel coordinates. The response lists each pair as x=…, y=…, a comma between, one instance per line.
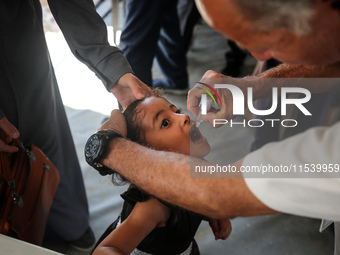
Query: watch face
x=92, y=147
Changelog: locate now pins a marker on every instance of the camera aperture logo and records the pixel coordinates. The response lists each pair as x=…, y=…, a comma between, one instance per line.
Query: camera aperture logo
x=212, y=97
x=239, y=105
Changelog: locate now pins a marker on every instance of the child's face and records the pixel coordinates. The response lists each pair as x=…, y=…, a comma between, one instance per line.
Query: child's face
x=166, y=128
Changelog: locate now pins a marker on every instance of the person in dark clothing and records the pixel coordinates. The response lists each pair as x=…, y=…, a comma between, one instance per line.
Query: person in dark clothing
x=234, y=57
x=31, y=105
x=152, y=31
x=146, y=224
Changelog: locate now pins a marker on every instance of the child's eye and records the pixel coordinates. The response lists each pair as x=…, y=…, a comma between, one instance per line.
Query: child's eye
x=165, y=123
x=179, y=111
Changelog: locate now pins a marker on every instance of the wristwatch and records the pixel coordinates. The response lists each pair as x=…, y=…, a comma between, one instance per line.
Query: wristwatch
x=96, y=146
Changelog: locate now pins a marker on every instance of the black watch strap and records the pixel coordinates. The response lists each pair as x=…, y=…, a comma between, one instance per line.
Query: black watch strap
x=95, y=148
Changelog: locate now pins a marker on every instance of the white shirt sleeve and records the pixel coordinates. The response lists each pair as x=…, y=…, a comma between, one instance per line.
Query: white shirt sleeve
x=306, y=193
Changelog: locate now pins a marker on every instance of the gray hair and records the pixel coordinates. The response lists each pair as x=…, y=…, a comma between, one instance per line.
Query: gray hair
x=292, y=15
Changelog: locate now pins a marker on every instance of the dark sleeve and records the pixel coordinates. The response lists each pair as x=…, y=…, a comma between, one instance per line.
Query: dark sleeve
x=134, y=195
x=1, y=114
x=86, y=35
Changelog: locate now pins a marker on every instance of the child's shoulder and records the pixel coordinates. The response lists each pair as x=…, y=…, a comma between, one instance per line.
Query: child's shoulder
x=144, y=206
x=153, y=209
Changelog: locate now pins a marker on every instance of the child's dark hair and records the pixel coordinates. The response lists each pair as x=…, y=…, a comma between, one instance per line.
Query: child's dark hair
x=135, y=132
x=133, y=124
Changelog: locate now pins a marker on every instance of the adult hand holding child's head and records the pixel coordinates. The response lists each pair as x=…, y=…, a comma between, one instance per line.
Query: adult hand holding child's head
x=129, y=88
x=116, y=122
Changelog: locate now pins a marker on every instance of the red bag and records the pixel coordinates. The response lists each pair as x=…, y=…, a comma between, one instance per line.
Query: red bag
x=28, y=181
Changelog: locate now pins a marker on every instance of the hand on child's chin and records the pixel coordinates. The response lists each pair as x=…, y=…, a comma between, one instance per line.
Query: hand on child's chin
x=116, y=123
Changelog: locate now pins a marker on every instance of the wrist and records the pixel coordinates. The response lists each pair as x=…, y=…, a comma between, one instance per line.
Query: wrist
x=112, y=152
x=96, y=147
x=124, y=80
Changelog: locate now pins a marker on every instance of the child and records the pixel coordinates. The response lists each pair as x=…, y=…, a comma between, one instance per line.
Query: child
x=148, y=225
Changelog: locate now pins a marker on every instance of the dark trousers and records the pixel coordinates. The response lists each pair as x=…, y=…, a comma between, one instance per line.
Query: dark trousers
x=152, y=31
x=30, y=99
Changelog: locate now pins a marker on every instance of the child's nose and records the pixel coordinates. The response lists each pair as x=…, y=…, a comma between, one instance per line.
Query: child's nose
x=185, y=119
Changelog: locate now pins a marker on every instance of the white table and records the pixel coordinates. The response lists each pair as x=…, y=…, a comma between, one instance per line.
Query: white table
x=12, y=246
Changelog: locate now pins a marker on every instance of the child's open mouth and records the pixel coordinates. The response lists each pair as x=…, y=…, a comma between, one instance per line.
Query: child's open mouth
x=195, y=134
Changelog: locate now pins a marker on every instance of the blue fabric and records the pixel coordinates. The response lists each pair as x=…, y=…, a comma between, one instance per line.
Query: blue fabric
x=151, y=31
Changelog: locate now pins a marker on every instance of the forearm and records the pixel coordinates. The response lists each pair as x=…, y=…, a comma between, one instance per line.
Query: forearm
x=263, y=87
x=167, y=176
x=307, y=193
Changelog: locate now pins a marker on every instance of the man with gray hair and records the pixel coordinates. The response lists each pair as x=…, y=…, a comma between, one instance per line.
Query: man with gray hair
x=302, y=35
x=290, y=15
